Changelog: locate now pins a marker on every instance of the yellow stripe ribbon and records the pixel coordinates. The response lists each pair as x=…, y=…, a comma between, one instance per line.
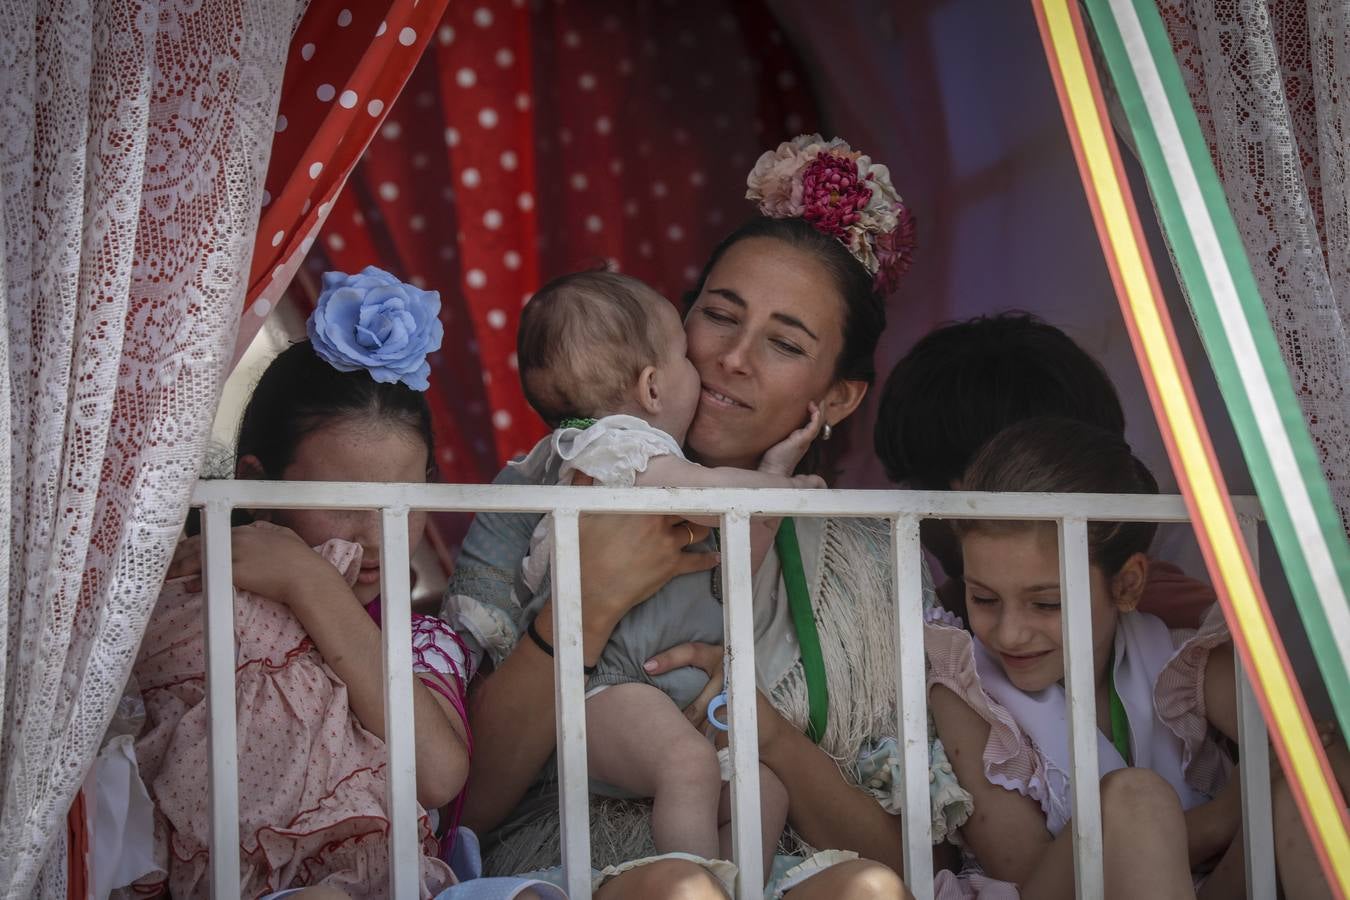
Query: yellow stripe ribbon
x=1189, y=445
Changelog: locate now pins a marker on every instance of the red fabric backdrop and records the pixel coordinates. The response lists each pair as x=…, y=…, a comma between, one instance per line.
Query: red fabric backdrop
x=535, y=139
x=346, y=66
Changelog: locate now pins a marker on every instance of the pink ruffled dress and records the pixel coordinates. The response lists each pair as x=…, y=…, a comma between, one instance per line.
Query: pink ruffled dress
x=1159, y=675
x=311, y=779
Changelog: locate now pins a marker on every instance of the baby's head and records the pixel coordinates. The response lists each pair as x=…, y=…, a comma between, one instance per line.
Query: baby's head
x=598, y=343
x=1012, y=568
x=307, y=421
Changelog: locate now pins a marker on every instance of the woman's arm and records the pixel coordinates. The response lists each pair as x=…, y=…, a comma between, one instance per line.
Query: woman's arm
x=823, y=807
x=624, y=560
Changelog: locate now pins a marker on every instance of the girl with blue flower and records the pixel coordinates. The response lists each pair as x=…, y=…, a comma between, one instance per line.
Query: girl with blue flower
x=345, y=405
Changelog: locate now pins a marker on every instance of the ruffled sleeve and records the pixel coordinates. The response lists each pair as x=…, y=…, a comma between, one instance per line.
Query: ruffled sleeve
x=441, y=659
x=1179, y=698
x=613, y=451
x=1010, y=759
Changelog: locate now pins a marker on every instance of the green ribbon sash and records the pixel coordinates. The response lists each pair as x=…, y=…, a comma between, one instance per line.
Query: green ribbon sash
x=804, y=621
x=1120, y=723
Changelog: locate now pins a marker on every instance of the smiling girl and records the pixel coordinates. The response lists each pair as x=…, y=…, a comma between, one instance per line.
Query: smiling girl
x=1171, y=815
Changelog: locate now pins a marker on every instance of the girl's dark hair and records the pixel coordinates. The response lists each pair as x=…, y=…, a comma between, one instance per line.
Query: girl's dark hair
x=965, y=382
x=301, y=393
x=864, y=308
x=1066, y=456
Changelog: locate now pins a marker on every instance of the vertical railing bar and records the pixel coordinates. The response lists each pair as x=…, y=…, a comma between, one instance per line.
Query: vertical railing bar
x=222, y=716
x=740, y=673
x=1258, y=836
x=1080, y=684
x=911, y=693
x=396, y=627
x=570, y=703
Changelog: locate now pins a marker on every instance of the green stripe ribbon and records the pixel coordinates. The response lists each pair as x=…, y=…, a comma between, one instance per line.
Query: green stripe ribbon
x=1232, y=320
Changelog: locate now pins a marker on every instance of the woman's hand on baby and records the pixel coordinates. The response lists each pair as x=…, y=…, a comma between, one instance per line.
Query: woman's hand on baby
x=269, y=560
x=782, y=457
x=709, y=658
x=625, y=560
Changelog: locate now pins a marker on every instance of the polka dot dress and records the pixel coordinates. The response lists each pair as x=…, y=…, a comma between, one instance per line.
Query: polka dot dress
x=311, y=779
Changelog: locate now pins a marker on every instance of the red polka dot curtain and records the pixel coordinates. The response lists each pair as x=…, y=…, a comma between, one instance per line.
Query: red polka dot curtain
x=538, y=138
x=346, y=65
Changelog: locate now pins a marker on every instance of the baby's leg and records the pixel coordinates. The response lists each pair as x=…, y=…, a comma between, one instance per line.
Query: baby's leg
x=773, y=810
x=638, y=740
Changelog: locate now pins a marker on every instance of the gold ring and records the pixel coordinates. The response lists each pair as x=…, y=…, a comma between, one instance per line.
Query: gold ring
x=689, y=528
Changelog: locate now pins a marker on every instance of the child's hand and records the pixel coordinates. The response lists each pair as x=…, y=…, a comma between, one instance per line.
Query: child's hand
x=269, y=560
x=782, y=457
x=808, y=482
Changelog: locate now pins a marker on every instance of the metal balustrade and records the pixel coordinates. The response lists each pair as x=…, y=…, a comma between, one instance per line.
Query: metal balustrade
x=904, y=509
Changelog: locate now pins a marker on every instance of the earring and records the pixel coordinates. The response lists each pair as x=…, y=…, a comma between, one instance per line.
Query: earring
x=826, y=431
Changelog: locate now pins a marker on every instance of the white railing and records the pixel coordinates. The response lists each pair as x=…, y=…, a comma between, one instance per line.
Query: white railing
x=903, y=509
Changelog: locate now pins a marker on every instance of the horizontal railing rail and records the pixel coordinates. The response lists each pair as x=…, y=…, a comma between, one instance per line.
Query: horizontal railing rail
x=735, y=507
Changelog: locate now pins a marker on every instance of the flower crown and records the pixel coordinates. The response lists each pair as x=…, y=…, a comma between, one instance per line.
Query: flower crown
x=842, y=193
x=375, y=322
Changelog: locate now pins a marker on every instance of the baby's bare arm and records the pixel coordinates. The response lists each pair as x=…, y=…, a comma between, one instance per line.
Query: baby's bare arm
x=671, y=471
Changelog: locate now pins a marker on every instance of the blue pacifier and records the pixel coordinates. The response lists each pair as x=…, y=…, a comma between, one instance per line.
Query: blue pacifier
x=716, y=703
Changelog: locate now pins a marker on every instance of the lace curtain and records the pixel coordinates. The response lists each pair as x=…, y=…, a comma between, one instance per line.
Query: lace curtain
x=1270, y=82
x=133, y=142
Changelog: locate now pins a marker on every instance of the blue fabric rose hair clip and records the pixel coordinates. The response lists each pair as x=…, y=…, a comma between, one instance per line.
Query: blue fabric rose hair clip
x=375, y=322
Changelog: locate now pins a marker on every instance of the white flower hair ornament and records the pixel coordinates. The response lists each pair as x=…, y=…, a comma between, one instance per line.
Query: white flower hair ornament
x=373, y=321
x=842, y=193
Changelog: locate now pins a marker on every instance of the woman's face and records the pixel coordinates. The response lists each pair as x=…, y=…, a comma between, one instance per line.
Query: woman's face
x=765, y=336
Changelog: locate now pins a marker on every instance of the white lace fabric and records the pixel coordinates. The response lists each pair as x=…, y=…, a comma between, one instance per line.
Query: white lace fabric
x=1269, y=82
x=133, y=142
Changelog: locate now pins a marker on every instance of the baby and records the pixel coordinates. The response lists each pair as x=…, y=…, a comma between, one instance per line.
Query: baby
x=602, y=360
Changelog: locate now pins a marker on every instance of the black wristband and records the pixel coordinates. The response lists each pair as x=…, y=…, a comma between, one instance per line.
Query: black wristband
x=547, y=647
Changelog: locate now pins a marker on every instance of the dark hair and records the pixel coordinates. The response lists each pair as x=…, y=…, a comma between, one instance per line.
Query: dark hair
x=583, y=340
x=301, y=393
x=864, y=308
x=963, y=383
x=1061, y=455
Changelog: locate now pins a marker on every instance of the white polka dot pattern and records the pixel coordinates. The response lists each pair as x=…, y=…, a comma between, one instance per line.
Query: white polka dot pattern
x=534, y=138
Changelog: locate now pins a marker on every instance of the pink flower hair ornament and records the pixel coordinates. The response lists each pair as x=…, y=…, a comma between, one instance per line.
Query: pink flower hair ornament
x=842, y=193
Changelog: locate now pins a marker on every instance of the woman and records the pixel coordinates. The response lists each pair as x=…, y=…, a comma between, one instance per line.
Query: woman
x=784, y=312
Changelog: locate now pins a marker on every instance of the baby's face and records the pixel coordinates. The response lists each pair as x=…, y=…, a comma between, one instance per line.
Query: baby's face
x=676, y=378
